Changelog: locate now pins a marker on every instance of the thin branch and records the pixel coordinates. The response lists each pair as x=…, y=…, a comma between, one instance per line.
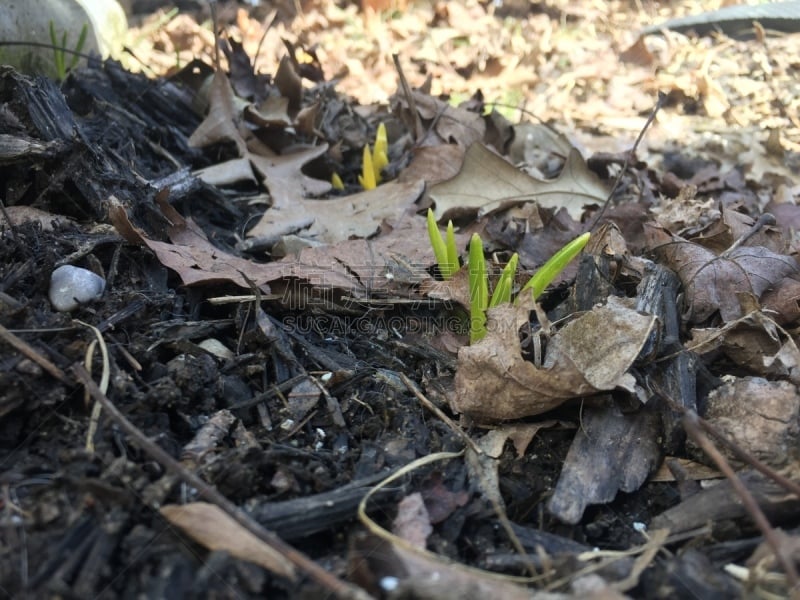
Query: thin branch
x=631, y=153
x=29, y=351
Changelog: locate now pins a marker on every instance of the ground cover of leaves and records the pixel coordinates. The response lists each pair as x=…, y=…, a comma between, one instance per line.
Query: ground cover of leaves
x=293, y=346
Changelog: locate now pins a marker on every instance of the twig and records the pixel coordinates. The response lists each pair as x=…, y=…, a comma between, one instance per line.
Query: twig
x=337, y=587
x=632, y=152
x=29, y=351
x=94, y=420
x=419, y=130
x=764, y=219
x=444, y=418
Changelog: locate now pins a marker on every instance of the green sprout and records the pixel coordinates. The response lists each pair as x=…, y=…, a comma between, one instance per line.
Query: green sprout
x=478, y=290
x=374, y=160
x=445, y=250
x=502, y=292
x=367, y=178
x=550, y=270
x=446, y=255
x=60, y=50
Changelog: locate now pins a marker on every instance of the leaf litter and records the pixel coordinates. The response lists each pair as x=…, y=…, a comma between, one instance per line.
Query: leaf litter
x=604, y=355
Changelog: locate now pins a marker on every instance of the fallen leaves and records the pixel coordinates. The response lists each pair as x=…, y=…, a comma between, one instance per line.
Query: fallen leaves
x=590, y=354
x=715, y=282
x=336, y=219
x=487, y=182
x=212, y=527
x=612, y=451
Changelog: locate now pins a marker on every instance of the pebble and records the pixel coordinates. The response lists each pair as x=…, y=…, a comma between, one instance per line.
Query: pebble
x=71, y=287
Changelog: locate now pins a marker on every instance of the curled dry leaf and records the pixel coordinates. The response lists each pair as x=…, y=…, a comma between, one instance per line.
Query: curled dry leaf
x=754, y=342
x=592, y=353
x=711, y=282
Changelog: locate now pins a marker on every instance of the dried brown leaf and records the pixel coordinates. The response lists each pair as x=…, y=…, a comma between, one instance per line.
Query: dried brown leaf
x=760, y=416
x=488, y=182
x=191, y=255
x=210, y=526
x=783, y=301
x=283, y=176
x=289, y=83
x=755, y=342
x=442, y=122
x=392, y=264
x=711, y=282
x=440, y=501
x=223, y=119
x=592, y=353
x=272, y=112
x=433, y=164
x=229, y=172
x=337, y=219
x=720, y=235
x=611, y=451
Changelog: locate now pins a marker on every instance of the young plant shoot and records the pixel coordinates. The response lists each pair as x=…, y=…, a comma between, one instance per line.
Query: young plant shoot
x=478, y=290
x=60, y=50
x=367, y=178
x=374, y=160
x=447, y=260
x=444, y=250
x=551, y=269
x=502, y=291
x=380, y=154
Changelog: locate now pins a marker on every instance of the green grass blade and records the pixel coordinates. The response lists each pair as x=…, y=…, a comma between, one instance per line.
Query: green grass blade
x=550, y=270
x=451, y=251
x=437, y=243
x=79, y=46
x=478, y=290
x=502, y=292
x=58, y=51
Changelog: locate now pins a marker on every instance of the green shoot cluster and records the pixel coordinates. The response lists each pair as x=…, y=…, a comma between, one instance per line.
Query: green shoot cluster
x=447, y=260
x=373, y=162
x=60, y=50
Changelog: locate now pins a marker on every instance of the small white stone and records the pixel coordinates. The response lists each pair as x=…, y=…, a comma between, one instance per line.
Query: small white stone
x=389, y=583
x=72, y=286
